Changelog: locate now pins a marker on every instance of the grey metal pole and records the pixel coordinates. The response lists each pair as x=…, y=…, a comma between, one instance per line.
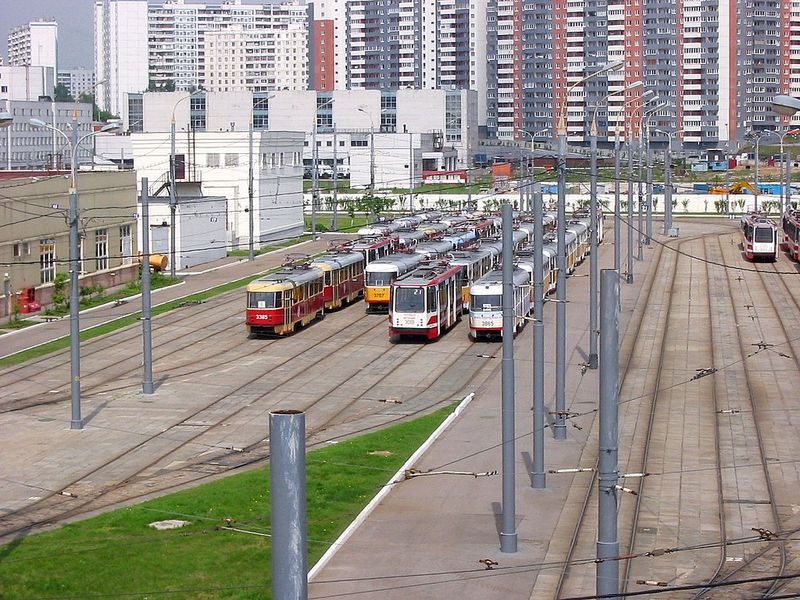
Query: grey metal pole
x=727, y=185
x=788, y=180
x=538, y=473
x=607, y=542
x=147, y=337
x=668, y=187
x=74, y=295
x=372, y=159
x=250, y=248
x=617, y=210
x=649, y=174
x=172, y=199
x=755, y=197
x=593, y=251
x=508, y=533
x=410, y=172
x=287, y=485
x=559, y=425
x=640, y=196
x=629, y=275
x=7, y=294
x=334, y=223
x=314, y=178
x=520, y=181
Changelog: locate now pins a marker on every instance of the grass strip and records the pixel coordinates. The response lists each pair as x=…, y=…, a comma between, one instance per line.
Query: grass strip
x=117, y=555
x=93, y=332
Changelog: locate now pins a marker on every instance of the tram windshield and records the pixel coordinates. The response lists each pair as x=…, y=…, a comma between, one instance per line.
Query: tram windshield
x=409, y=300
x=378, y=278
x=763, y=234
x=486, y=302
x=264, y=300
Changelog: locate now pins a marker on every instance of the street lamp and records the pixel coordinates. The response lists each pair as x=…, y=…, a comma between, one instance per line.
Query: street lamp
x=560, y=427
x=315, y=170
x=756, y=135
x=6, y=119
x=74, y=261
x=593, y=258
x=617, y=169
x=532, y=136
x=173, y=200
x=644, y=142
x=250, y=245
x=785, y=165
x=371, y=151
x=786, y=106
x=668, y=178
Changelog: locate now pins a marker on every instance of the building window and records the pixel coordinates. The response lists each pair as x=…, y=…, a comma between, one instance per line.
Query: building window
x=232, y=160
x=212, y=160
x=125, y=246
x=101, y=249
x=22, y=249
x=47, y=259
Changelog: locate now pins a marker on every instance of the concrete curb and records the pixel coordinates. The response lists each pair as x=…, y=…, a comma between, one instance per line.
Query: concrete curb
x=398, y=476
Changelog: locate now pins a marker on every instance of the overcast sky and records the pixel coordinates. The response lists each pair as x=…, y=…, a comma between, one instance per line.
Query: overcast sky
x=75, y=27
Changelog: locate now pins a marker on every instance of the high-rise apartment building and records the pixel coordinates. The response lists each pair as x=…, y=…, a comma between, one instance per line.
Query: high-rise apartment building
x=34, y=44
x=120, y=51
x=189, y=45
x=77, y=81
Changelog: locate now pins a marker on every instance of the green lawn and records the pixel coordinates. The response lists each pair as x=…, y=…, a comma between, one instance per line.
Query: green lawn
x=118, y=555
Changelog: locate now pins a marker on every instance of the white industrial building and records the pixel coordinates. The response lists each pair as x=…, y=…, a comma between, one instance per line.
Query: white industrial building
x=25, y=146
x=200, y=225
x=26, y=83
x=219, y=162
x=433, y=130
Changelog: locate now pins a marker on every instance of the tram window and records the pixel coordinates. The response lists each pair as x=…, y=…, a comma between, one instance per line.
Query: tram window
x=377, y=278
x=486, y=302
x=409, y=300
x=264, y=300
x=432, y=304
x=763, y=234
x=328, y=277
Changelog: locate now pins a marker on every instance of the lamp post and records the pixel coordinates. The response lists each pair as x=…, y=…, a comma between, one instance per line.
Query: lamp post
x=639, y=225
x=668, y=178
x=173, y=200
x=250, y=245
x=532, y=136
x=560, y=427
x=6, y=119
x=315, y=169
x=76, y=421
x=784, y=163
x=786, y=106
x=593, y=258
x=371, y=151
x=644, y=142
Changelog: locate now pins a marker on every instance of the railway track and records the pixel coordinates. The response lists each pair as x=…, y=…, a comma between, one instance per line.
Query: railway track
x=200, y=452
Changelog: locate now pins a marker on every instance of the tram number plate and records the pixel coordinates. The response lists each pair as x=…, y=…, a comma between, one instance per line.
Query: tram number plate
x=262, y=317
x=485, y=323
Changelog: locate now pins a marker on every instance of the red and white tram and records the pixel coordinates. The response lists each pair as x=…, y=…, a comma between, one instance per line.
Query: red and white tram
x=760, y=237
x=426, y=302
x=790, y=222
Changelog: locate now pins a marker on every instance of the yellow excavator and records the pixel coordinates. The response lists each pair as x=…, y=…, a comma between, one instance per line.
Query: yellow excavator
x=737, y=188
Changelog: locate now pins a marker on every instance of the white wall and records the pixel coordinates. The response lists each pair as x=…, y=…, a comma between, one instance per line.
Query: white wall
x=26, y=83
x=277, y=188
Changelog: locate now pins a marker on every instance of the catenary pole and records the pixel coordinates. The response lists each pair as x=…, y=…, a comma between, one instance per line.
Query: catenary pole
x=334, y=220
x=250, y=245
x=629, y=144
x=173, y=201
x=287, y=485
x=607, y=541
x=76, y=421
x=147, y=337
x=668, y=187
x=640, y=195
x=538, y=480
x=508, y=533
x=617, y=210
x=649, y=170
x=593, y=225
x=559, y=425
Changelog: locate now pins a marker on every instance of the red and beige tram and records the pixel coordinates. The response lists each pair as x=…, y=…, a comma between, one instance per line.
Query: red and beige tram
x=343, y=277
x=281, y=301
x=760, y=237
x=426, y=302
x=375, y=247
